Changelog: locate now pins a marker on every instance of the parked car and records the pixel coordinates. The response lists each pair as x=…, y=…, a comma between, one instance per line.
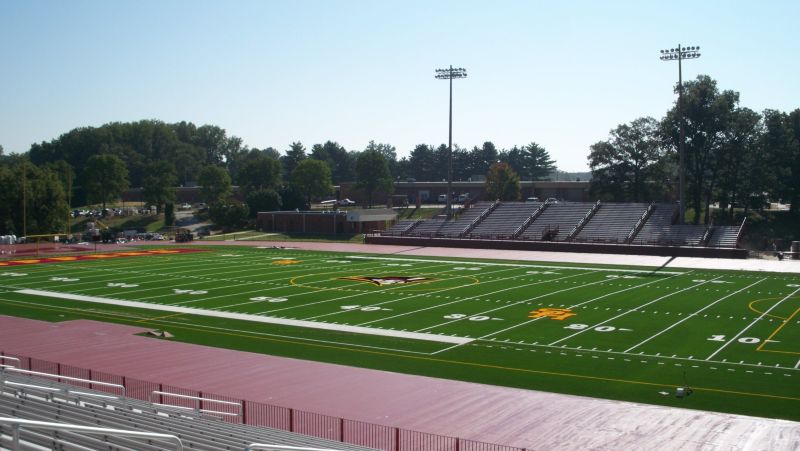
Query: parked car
x=345, y=202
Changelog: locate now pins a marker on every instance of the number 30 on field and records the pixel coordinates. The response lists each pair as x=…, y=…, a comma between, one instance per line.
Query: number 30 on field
x=745, y=340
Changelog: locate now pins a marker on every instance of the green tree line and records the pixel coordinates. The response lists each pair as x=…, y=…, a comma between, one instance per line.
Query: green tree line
x=733, y=155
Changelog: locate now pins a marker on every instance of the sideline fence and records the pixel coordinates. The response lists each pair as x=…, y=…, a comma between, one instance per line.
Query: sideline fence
x=387, y=438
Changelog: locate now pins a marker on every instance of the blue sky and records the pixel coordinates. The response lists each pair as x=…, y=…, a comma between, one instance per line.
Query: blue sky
x=561, y=74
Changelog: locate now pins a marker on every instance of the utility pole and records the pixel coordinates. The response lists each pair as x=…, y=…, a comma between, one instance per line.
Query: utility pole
x=680, y=54
x=450, y=74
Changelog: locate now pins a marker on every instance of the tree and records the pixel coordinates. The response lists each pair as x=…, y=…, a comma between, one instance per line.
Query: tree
x=741, y=160
x=629, y=166
x=158, y=186
x=259, y=172
x=502, y=182
x=707, y=113
x=388, y=151
x=537, y=161
x=293, y=157
x=228, y=215
x=45, y=206
x=312, y=178
x=372, y=174
x=422, y=163
x=215, y=184
x=264, y=199
x=339, y=160
x=106, y=178
x=169, y=214
x=482, y=158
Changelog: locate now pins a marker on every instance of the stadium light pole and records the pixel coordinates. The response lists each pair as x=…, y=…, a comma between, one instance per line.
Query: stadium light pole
x=450, y=74
x=680, y=54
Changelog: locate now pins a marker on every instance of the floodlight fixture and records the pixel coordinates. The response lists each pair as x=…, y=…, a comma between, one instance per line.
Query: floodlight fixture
x=450, y=74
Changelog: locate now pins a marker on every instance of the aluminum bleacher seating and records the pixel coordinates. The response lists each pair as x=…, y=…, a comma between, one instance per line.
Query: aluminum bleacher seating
x=454, y=228
x=612, y=222
x=38, y=399
x=558, y=219
x=504, y=220
x=725, y=236
x=400, y=227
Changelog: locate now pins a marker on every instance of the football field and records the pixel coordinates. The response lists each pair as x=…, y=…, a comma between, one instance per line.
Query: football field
x=604, y=331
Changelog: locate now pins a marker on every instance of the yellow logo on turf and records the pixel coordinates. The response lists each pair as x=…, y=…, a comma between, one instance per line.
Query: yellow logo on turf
x=553, y=313
x=286, y=262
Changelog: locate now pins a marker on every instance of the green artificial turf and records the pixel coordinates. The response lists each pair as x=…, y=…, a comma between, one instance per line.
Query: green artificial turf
x=609, y=332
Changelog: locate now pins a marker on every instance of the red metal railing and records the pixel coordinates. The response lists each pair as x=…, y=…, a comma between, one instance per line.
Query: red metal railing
x=372, y=435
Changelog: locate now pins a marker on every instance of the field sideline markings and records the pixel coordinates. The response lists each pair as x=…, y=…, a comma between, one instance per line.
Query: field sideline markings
x=635, y=355
x=519, y=265
x=633, y=309
x=252, y=318
x=184, y=325
x=751, y=324
x=690, y=316
x=572, y=306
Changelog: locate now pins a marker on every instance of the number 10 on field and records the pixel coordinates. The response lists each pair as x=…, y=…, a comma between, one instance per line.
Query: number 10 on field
x=745, y=340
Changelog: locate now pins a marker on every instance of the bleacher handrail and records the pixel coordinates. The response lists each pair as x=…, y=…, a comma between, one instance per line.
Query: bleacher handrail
x=640, y=223
x=739, y=232
x=199, y=400
x=59, y=377
x=18, y=423
x=480, y=218
x=6, y=357
x=521, y=229
x=575, y=230
x=55, y=389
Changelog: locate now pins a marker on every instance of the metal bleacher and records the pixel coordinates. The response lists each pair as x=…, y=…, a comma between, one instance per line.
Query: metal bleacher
x=612, y=223
x=455, y=227
x=28, y=398
x=504, y=220
x=556, y=222
x=725, y=236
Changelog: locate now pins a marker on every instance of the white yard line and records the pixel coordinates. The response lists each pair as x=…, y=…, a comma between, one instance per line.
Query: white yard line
x=518, y=265
x=751, y=325
x=797, y=365
x=631, y=310
x=572, y=306
x=688, y=317
x=253, y=318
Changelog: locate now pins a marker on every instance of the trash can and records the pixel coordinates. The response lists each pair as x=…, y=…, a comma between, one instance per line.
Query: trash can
x=795, y=248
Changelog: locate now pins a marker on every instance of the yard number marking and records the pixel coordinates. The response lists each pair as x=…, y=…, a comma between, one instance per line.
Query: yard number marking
x=13, y=274
x=471, y=318
x=598, y=328
x=268, y=299
x=745, y=340
x=63, y=279
x=121, y=285
x=367, y=308
x=179, y=291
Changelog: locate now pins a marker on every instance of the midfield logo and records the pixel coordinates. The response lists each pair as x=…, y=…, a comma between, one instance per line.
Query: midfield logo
x=553, y=313
x=387, y=280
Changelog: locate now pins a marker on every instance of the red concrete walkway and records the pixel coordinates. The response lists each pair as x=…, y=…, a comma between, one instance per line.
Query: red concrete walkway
x=524, y=418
